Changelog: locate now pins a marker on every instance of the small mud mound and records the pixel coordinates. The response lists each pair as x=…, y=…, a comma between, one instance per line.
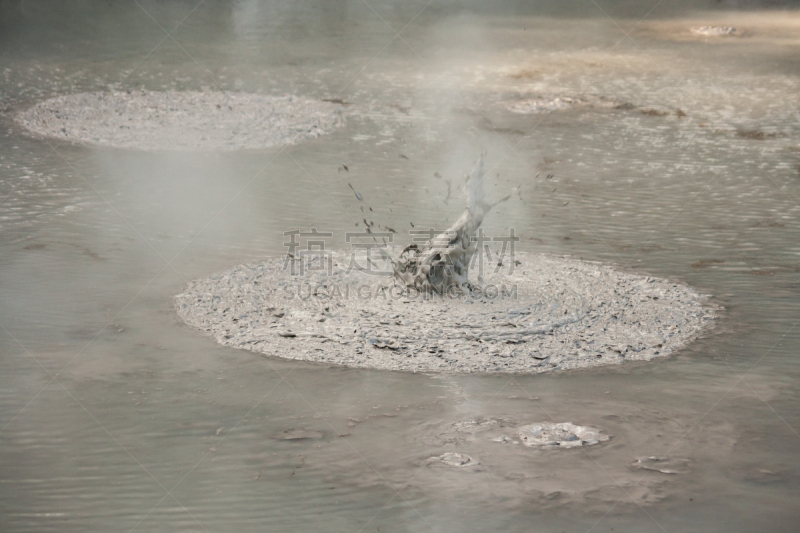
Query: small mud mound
x=564, y=435
x=181, y=120
x=714, y=31
x=550, y=103
x=459, y=460
x=665, y=465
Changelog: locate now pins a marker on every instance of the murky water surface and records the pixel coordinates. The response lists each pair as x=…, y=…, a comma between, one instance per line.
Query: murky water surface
x=114, y=415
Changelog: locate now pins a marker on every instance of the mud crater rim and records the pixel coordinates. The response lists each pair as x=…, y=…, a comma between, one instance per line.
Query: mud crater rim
x=551, y=314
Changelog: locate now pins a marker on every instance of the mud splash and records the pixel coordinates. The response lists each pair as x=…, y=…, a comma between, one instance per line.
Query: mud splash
x=442, y=264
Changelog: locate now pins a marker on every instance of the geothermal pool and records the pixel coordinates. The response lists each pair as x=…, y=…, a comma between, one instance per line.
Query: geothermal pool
x=632, y=149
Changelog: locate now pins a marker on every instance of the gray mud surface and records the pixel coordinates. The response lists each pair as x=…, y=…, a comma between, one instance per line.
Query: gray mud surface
x=181, y=120
x=549, y=103
x=547, y=314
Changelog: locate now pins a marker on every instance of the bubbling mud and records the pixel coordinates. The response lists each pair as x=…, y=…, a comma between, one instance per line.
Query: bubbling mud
x=420, y=312
x=181, y=120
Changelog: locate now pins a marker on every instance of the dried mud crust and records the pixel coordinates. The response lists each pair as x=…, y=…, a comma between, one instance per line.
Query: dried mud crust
x=180, y=120
x=548, y=314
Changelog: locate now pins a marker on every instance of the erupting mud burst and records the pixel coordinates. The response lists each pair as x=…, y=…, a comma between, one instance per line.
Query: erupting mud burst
x=442, y=264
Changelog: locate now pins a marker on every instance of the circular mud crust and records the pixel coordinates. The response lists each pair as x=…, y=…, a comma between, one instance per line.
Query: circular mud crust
x=181, y=120
x=459, y=460
x=545, y=314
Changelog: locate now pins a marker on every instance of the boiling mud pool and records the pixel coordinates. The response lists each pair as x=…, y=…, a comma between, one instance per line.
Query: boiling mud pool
x=666, y=153
x=551, y=315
